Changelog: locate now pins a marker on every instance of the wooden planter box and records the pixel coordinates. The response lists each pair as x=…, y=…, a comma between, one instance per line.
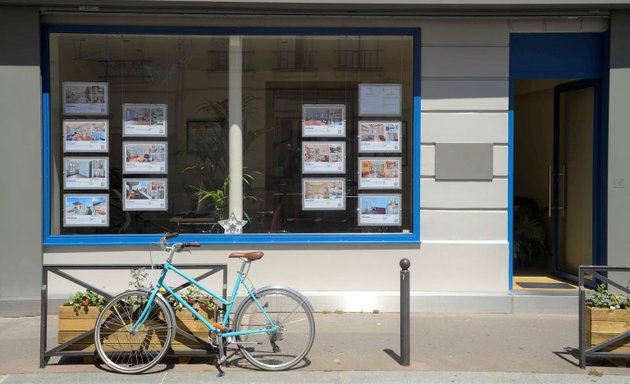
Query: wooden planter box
x=604, y=324
x=72, y=324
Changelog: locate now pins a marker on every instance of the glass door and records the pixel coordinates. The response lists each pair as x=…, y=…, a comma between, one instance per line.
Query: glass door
x=572, y=176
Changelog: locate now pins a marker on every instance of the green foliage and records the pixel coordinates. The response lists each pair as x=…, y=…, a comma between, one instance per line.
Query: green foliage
x=220, y=197
x=196, y=299
x=83, y=300
x=530, y=237
x=595, y=372
x=376, y=311
x=601, y=297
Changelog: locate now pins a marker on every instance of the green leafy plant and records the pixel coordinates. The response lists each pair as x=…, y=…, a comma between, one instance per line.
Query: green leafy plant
x=220, y=197
x=530, y=237
x=81, y=301
x=196, y=299
x=602, y=297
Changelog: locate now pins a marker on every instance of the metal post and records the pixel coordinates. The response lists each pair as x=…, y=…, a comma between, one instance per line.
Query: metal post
x=581, y=319
x=404, y=312
x=43, y=319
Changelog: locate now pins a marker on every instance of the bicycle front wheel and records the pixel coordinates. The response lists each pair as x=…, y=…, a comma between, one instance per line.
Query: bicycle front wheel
x=289, y=343
x=125, y=351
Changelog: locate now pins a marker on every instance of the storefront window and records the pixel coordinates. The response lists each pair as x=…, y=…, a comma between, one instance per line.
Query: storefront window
x=139, y=133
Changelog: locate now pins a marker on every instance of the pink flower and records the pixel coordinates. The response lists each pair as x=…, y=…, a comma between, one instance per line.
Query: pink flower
x=190, y=300
x=196, y=306
x=86, y=303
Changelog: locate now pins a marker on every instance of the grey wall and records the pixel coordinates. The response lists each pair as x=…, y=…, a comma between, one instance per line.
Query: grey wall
x=20, y=159
x=619, y=137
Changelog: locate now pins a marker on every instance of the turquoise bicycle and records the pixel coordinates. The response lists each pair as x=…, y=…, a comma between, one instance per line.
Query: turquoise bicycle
x=272, y=326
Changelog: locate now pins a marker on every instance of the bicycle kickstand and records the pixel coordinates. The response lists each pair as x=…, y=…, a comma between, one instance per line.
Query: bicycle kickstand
x=221, y=358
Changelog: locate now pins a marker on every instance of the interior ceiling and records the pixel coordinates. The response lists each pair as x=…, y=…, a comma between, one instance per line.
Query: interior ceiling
x=523, y=87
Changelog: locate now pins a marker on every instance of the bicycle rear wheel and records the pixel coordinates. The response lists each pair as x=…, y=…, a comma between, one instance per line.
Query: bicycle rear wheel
x=133, y=352
x=289, y=343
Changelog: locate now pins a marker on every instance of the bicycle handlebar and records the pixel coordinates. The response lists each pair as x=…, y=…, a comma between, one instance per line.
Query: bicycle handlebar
x=170, y=235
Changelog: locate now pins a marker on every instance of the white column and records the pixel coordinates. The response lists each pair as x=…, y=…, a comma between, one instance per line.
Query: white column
x=235, y=119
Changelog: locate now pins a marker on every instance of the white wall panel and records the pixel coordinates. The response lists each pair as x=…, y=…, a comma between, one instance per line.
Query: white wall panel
x=464, y=95
x=427, y=161
x=469, y=267
x=463, y=194
x=465, y=32
x=465, y=62
x=463, y=225
x=464, y=127
x=500, y=160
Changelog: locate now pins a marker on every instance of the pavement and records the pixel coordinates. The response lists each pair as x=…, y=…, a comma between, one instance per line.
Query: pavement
x=356, y=348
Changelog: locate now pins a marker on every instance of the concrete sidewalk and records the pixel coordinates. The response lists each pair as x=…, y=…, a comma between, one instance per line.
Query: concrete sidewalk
x=351, y=347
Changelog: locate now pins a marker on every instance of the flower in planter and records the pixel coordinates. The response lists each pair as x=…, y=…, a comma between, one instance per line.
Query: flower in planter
x=602, y=297
x=196, y=299
x=83, y=300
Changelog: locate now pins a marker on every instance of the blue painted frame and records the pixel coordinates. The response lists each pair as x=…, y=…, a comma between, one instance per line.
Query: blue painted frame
x=345, y=238
x=564, y=58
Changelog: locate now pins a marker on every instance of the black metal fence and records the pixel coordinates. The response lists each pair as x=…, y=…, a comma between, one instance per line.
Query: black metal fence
x=599, y=275
x=61, y=271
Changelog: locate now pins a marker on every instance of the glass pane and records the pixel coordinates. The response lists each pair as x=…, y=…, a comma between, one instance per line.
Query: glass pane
x=139, y=133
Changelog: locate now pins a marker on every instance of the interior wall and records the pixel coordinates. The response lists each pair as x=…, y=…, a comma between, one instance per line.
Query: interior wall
x=533, y=137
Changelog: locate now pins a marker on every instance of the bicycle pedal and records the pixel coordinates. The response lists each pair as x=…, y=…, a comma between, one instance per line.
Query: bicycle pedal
x=219, y=326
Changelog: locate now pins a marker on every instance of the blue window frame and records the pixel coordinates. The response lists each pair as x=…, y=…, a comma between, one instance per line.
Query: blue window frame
x=254, y=238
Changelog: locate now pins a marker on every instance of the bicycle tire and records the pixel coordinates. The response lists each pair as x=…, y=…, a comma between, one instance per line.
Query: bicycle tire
x=284, y=348
x=136, y=352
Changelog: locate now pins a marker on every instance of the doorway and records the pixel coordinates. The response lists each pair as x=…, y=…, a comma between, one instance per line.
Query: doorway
x=555, y=130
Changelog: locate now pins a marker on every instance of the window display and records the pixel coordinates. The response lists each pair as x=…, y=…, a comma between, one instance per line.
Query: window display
x=323, y=157
x=324, y=194
x=379, y=173
x=86, y=173
x=380, y=136
x=144, y=157
x=85, y=210
x=313, y=138
x=379, y=210
x=85, y=98
x=85, y=135
x=144, y=120
x=324, y=120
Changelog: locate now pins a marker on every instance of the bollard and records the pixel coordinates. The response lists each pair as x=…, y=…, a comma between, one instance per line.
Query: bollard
x=404, y=312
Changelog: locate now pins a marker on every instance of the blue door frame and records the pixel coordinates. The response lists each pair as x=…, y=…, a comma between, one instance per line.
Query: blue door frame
x=565, y=56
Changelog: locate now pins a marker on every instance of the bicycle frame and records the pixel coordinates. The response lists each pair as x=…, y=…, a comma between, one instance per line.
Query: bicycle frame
x=240, y=280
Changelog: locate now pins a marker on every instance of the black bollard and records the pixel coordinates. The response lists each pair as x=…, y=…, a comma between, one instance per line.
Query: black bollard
x=404, y=312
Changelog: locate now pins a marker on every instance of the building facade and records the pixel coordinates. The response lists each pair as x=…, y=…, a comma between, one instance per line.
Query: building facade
x=484, y=142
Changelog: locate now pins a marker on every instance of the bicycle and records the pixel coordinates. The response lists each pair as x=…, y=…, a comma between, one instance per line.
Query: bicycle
x=135, y=329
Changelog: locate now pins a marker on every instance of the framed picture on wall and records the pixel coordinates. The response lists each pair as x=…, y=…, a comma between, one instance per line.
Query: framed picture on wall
x=324, y=194
x=201, y=133
x=86, y=173
x=142, y=120
x=379, y=172
x=323, y=157
x=145, y=194
x=85, y=98
x=382, y=210
x=145, y=157
x=380, y=136
x=81, y=210
x=85, y=136
x=323, y=120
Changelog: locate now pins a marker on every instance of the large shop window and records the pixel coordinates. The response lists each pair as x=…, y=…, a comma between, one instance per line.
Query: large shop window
x=139, y=135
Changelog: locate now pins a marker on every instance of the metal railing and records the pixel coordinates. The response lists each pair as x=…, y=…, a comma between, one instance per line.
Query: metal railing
x=600, y=275
x=60, y=270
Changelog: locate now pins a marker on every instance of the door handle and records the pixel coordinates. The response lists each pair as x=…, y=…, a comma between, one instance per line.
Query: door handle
x=563, y=190
x=550, y=182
